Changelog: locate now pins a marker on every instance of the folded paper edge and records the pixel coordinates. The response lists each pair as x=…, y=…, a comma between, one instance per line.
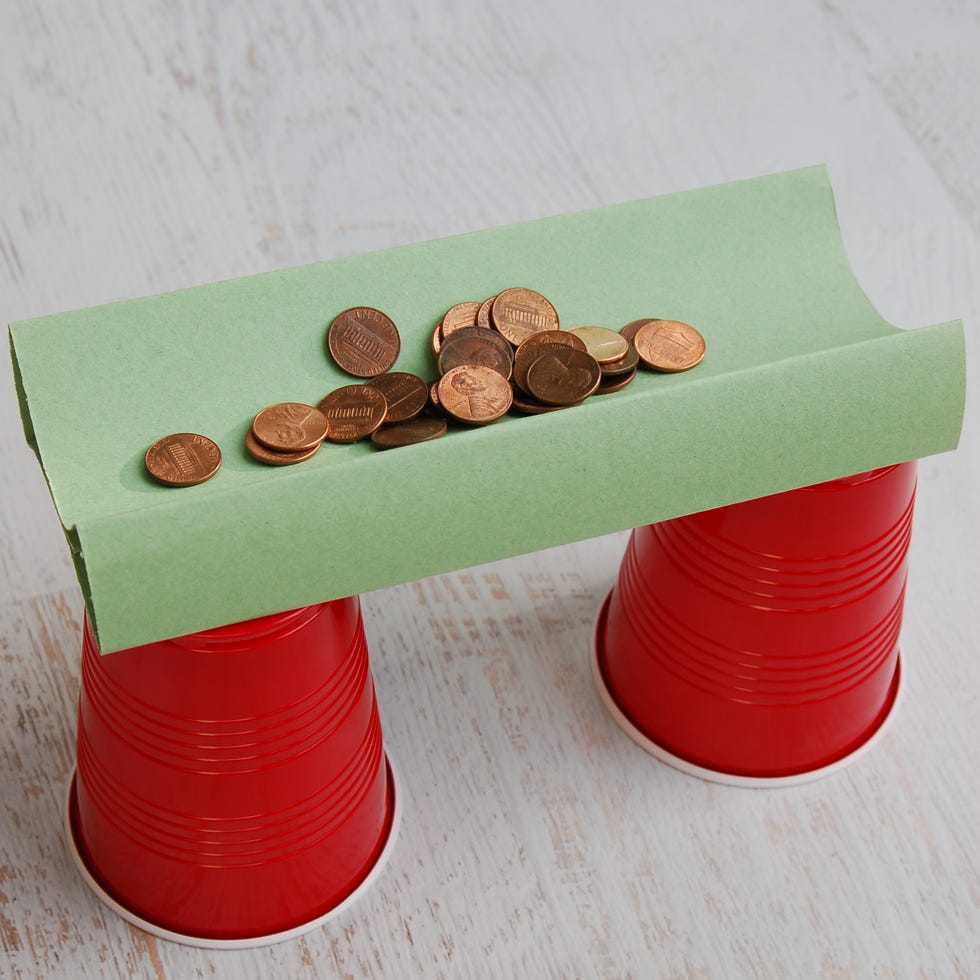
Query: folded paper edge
x=23, y=401
x=905, y=351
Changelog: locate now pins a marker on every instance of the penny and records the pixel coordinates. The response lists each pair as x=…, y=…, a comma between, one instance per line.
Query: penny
x=437, y=340
x=271, y=457
x=353, y=412
x=483, y=315
x=565, y=337
x=669, y=345
x=182, y=459
x=434, y=405
x=614, y=382
x=563, y=376
x=475, y=394
x=405, y=394
x=518, y=312
x=473, y=345
x=526, y=355
x=624, y=365
x=363, y=341
x=485, y=336
x=289, y=427
x=603, y=344
x=408, y=433
x=460, y=315
x=528, y=406
x=629, y=331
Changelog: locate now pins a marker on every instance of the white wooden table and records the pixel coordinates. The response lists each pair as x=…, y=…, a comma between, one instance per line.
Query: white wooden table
x=155, y=145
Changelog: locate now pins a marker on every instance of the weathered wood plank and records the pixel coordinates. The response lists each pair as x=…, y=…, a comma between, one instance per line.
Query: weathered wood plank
x=147, y=148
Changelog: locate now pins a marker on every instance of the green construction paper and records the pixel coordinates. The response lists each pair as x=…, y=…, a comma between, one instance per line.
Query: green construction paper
x=803, y=381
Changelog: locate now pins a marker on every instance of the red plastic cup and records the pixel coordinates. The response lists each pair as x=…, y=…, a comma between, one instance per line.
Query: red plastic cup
x=231, y=786
x=759, y=642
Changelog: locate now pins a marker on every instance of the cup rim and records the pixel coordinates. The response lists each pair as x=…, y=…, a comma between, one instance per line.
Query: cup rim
x=248, y=942
x=719, y=775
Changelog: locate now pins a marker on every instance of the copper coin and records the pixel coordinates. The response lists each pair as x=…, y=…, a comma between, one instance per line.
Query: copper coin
x=629, y=331
x=353, y=412
x=473, y=345
x=519, y=312
x=408, y=433
x=363, y=341
x=290, y=427
x=669, y=345
x=614, y=382
x=526, y=355
x=529, y=406
x=405, y=393
x=434, y=406
x=460, y=315
x=487, y=336
x=483, y=315
x=437, y=340
x=623, y=366
x=182, y=459
x=550, y=337
x=271, y=457
x=603, y=344
x=475, y=394
x=563, y=376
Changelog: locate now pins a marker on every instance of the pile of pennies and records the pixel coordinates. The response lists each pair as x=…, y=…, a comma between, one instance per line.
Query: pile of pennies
x=506, y=353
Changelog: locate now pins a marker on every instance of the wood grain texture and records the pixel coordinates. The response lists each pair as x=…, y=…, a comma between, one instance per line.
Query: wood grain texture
x=151, y=146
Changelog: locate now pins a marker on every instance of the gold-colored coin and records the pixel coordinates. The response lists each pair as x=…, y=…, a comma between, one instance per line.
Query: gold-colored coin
x=518, y=312
x=669, y=345
x=290, y=427
x=182, y=459
x=353, y=412
x=475, y=394
x=270, y=457
x=603, y=344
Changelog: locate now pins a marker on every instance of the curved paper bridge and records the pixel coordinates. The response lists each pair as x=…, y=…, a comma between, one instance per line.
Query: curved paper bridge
x=803, y=382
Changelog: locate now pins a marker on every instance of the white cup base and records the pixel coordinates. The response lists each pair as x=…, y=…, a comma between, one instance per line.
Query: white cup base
x=249, y=942
x=717, y=775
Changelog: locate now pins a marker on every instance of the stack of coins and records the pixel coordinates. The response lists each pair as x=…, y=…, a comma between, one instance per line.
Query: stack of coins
x=475, y=364
x=286, y=433
x=666, y=345
x=507, y=352
x=548, y=367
